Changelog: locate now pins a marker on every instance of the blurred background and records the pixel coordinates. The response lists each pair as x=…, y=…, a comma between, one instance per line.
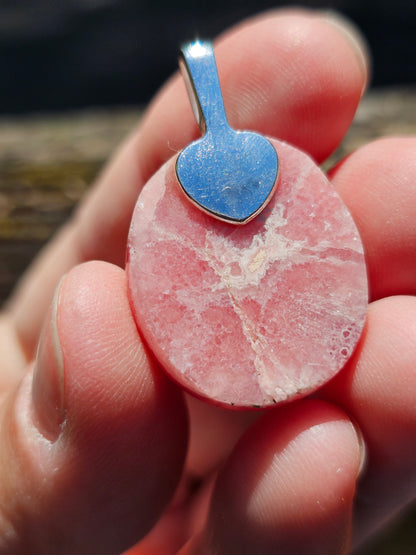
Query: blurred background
x=76, y=74
x=75, y=53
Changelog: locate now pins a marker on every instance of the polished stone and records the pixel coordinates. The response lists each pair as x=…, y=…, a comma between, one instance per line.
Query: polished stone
x=253, y=315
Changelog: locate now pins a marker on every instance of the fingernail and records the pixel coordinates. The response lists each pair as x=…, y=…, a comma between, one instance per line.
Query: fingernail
x=48, y=376
x=353, y=35
x=363, y=448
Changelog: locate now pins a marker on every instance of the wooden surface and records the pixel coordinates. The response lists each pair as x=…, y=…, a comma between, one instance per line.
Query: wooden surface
x=48, y=162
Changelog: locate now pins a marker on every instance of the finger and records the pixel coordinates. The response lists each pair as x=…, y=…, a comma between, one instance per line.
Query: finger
x=213, y=432
x=288, y=487
x=377, y=183
x=289, y=88
x=378, y=389
x=92, y=455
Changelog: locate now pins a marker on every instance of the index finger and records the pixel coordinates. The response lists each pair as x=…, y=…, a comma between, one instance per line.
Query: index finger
x=294, y=75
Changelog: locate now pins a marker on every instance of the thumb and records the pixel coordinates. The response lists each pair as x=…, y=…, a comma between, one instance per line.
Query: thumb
x=92, y=446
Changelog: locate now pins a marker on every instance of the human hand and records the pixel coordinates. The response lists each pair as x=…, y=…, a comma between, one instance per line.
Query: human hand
x=91, y=459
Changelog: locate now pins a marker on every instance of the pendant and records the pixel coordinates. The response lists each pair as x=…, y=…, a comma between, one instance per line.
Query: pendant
x=229, y=174
x=244, y=316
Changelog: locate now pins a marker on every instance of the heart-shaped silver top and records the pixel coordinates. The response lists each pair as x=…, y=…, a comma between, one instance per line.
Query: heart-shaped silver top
x=228, y=174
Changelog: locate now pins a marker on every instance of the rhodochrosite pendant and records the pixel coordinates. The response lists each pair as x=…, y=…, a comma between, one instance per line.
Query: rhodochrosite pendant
x=245, y=315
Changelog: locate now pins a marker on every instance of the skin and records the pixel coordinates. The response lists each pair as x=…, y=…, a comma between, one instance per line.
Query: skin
x=98, y=446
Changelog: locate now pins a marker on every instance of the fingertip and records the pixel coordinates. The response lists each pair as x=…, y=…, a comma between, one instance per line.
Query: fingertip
x=107, y=365
x=378, y=385
x=305, y=73
x=288, y=486
x=355, y=39
x=378, y=179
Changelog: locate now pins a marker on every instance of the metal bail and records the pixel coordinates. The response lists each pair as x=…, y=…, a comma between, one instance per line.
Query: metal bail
x=228, y=174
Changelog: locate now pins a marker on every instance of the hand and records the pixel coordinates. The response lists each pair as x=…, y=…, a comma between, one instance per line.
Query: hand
x=93, y=436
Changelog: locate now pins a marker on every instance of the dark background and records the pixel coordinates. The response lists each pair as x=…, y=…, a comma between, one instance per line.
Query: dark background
x=57, y=55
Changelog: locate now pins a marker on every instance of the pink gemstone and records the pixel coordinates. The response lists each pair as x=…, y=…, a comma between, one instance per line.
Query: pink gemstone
x=253, y=315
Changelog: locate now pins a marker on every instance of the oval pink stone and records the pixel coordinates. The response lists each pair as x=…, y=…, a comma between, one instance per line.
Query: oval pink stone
x=253, y=315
